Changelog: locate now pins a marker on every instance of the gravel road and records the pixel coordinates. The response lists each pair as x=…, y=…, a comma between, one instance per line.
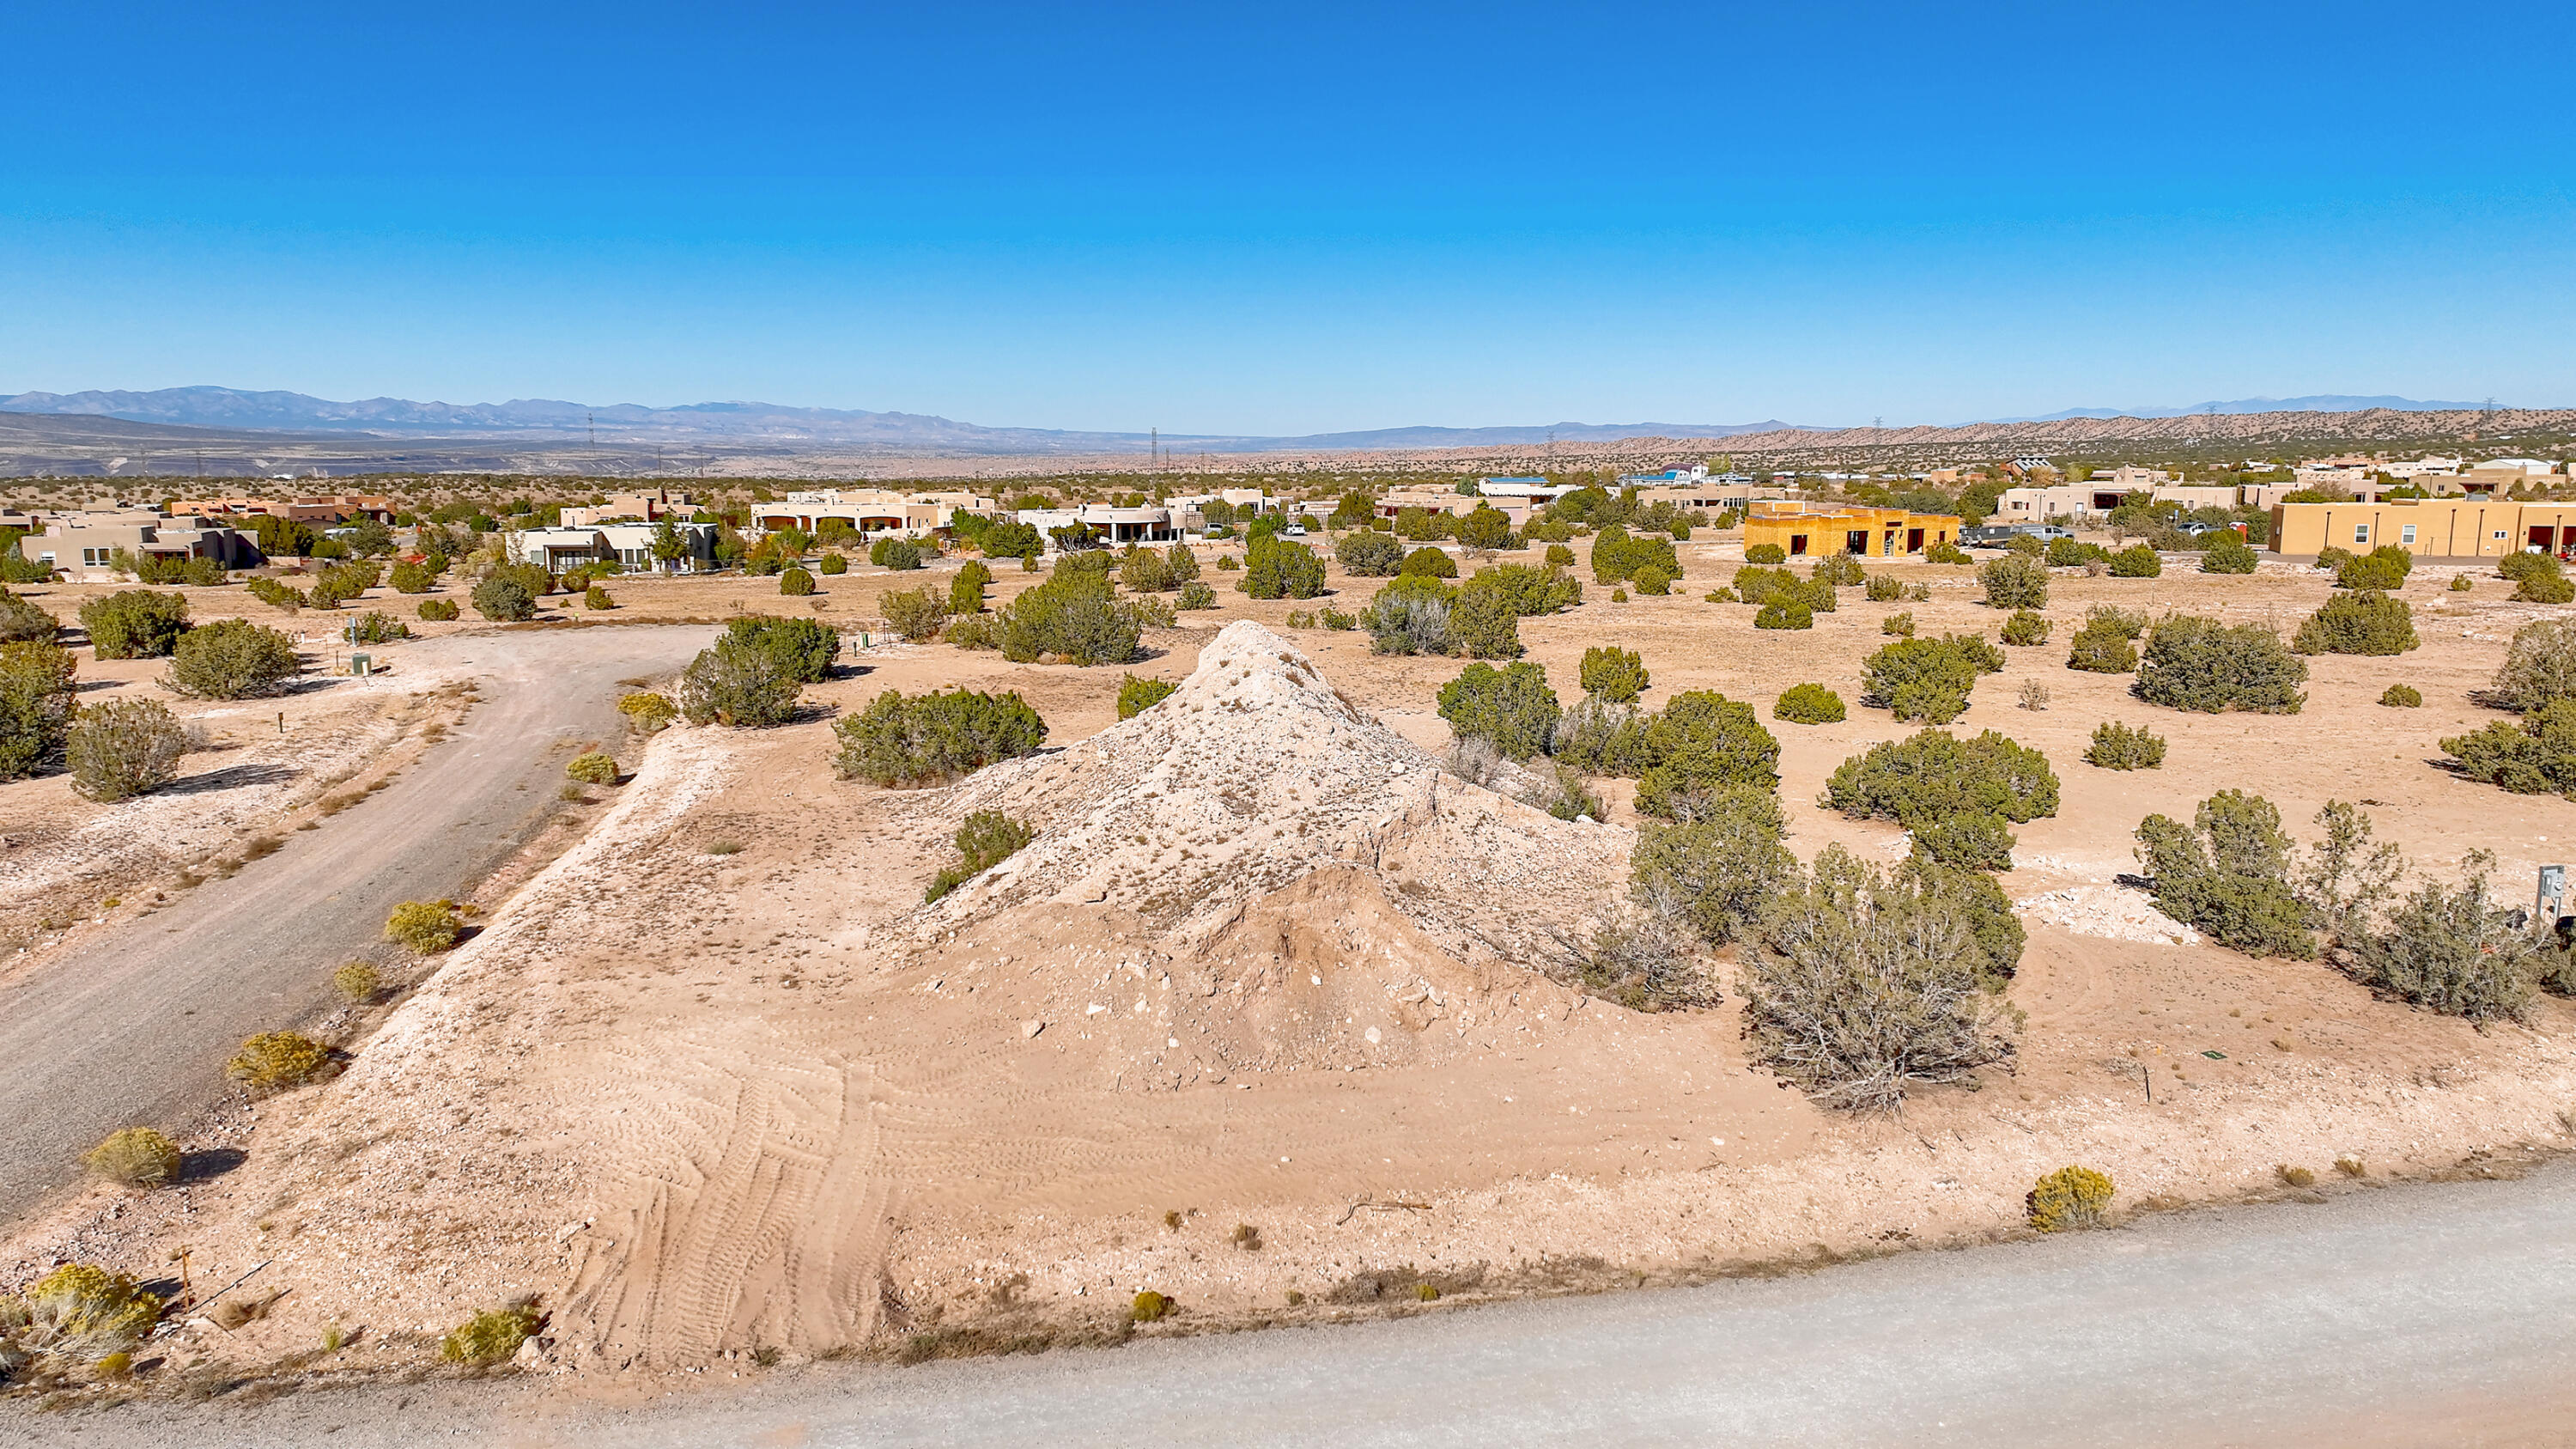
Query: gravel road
x=136, y=1026
x=2414, y=1315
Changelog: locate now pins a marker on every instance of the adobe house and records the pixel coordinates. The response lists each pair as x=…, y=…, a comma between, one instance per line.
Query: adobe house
x=1801, y=529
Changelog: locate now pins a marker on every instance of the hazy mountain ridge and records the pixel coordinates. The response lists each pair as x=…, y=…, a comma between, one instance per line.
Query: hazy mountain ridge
x=2320, y=403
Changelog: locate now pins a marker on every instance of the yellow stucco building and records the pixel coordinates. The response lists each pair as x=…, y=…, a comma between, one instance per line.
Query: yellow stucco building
x=2479, y=526
x=1828, y=528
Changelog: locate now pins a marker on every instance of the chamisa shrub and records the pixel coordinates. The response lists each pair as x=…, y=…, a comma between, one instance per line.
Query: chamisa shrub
x=504, y=600
x=2137, y=561
x=1765, y=553
x=2105, y=644
x=1955, y=795
x=1701, y=742
x=2209, y=667
x=276, y=1060
x=1615, y=674
x=2539, y=666
x=916, y=614
x=1925, y=679
x=1860, y=984
x=648, y=712
x=134, y=1157
x=1898, y=626
x=593, y=767
x=358, y=982
x=2025, y=628
x=76, y=1315
x=929, y=738
x=2014, y=582
x=492, y=1336
x=2069, y=1198
x=1512, y=707
x=595, y=597
x=1884, y=589
x=2358, y=623
x=1135, y=696
x=1716, y=867
x=1839, y=570
x=988, y=838
x=2116, y=746
x=1808, y=704
x=437, y=611
x=135, y=623
x=424, y=927
x=737, y=682
x=2384, y=567
x=2453, y=949
x=2228, y=553
x=123, y=748
x=233, y=659
x=2535, y=755
x=36, y=703
x=2227, y=875
x=2402, y=696
x=1409, y=616
x=1369, y=554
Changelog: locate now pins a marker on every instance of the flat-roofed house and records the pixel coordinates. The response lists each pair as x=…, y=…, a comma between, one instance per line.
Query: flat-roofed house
x=84, y=545
x=1802, y=528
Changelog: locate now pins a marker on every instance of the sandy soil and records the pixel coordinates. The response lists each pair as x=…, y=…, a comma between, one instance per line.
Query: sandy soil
x=1258, y=1022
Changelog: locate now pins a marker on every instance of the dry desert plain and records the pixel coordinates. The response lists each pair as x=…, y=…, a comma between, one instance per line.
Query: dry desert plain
x=1259, y=1020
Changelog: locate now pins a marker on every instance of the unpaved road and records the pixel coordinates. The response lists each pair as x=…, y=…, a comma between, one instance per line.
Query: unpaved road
x=2409, y=1316
x=137, y=1025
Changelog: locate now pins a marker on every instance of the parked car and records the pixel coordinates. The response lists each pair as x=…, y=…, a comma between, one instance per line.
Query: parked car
x=1996, y=535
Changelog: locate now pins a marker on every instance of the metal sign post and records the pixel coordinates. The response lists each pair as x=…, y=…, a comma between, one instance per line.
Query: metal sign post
x=2550, y=902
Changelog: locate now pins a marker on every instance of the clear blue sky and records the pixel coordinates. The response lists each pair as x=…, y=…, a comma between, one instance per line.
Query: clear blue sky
x=1277, y=219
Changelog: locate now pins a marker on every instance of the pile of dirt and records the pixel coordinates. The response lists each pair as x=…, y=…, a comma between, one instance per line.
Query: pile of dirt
x=1312, y=889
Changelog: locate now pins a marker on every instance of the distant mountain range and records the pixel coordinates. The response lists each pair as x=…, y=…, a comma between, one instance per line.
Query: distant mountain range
x=2321, y=403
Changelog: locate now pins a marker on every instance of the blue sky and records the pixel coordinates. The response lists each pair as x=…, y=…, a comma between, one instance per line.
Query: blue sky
x=1271, y=219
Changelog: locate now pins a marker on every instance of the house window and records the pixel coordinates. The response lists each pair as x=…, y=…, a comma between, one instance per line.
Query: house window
x=2406, y=534
x=2502, y=535
x=2361, y=533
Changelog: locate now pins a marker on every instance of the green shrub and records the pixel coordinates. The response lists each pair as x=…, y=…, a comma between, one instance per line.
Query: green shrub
x=424, y=927
x=2067, y=1199
x=437, y=611
x=1766, y=553
x=1145, y=570
x=593, y=768
x=1652, y=581
x=375, y=627
x=1278, y=568
x=1930, y=780
x=737, y=682
x=1862, y=984
x=1884, y=589
x=900, y=554
x=2025, y=628
x=2209, y=667
x=2026, y=545
x=1717, y=867
x=1428, y=563
x=2451, y=949
x=916, y=614
x=2014, y=582
x=2545, y=589
x=277, y=1060
x=2535, y=755
x=1839, y=570
x=988, y=838
x=1181, y=564
x=1900, y=626
x=1135, y=696
x=1369, y=554
x=2520, y=566
x=1808, y=704
x=832, y=564
x=135, y=1157
x=1598, y=737
x=1776, y=615
x=1615, y=674
x=1947, y=553
x=2362, y=623
x=1559, y=556
x=1511, y=707
x=1075, y=617
x=22, y=622
x=2227, y=875
x=595, y=597
x=805, y=648
x=1699, y=743
x=2118, y=747
x=2137, y=561
x=412, y=578
x=1484, y=622
x=234, y=659
x=504, y=600
x=2228, y=553
x=796, y=583
x=2103, y=645
x=1617, y=556
x=135, y=623
x=934, y=737
x=1410, y=616
x=490, y=1337
x=123, y=748
x=1562, y=791
x=1195, y=595
x=1757, y=585
x=2460, y=584
x=2539, y=665
x=2332, y=559
x=36, y=702
x=2384, y=567
x=1925, y=679
x=2402, y=696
